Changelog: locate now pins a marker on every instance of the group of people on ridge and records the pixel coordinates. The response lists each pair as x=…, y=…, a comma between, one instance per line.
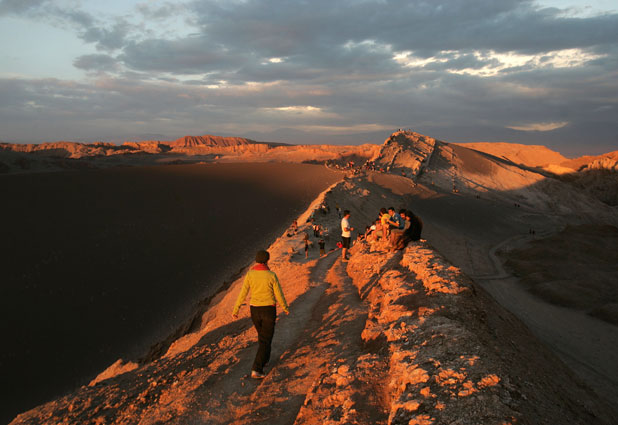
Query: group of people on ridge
x=265, y=291
x=398, y=228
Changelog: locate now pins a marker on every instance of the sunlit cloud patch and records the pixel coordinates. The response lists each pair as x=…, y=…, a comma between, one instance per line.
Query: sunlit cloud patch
x=540, y=126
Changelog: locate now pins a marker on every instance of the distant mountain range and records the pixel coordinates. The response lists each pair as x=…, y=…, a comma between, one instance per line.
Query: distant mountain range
x=473, y=167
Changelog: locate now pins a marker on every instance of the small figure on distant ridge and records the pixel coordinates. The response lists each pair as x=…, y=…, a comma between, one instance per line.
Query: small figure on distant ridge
x=265, y=294
x=306, y=240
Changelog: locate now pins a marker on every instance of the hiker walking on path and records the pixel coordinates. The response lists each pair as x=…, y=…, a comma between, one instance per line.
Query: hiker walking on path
x=265, y=294
x=346, y=234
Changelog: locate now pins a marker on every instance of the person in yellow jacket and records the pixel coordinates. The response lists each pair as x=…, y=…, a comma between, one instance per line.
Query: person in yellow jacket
x=265, y=294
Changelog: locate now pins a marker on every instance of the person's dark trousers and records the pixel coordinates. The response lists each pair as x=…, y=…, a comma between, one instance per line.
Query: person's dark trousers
x=264, y=321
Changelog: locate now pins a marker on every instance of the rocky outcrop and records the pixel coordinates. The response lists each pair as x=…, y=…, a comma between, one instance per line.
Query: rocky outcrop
x=455, y=168
x=148, y=147
x=405, y=151
x=608, y=161
x=81, y=150
x=452, y=167
x=451, y=352
x=211, y=141
x=61, y=149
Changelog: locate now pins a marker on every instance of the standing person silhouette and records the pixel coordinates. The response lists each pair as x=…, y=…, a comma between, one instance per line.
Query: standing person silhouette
x=346, y=234
x=306, y=240
x=265, y=294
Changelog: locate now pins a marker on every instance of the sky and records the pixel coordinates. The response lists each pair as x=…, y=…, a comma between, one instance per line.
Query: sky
x=311, y=71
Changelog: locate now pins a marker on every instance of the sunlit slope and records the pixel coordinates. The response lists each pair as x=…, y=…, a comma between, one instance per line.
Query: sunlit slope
x=457, y=169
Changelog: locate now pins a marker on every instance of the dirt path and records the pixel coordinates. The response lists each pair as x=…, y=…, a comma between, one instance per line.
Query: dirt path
x=322, y=332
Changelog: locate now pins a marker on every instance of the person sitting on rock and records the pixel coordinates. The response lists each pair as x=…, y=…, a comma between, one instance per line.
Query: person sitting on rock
x=398, y=225
x=416, y=226
x=375, y=231
x=384, y=217
x=394, y=222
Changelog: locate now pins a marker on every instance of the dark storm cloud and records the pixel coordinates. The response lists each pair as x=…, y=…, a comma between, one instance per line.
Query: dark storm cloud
x=183, y=56
x=327, y=42
x=280, y=28
x=609, y=59
x=107, y=38
x=339, y=62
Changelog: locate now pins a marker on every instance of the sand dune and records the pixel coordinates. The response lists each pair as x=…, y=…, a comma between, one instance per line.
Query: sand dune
x=527, y=155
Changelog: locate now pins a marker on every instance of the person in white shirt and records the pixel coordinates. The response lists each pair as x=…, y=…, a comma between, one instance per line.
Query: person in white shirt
x=346, y=234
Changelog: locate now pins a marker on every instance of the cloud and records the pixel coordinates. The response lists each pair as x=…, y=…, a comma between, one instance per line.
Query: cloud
x=162, y=12
x=191, y=55
x=284, y=28
x=18, y=7
x=96, y=62
x=108, y=39
x=540, y=126
x=106, y=35
x=127, y=106
x=366, y=41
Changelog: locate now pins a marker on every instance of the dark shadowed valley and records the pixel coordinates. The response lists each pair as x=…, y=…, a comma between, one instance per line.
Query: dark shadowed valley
x=100, y=264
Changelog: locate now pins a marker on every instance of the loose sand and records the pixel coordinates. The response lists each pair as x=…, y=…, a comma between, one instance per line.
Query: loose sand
x=575, y=268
